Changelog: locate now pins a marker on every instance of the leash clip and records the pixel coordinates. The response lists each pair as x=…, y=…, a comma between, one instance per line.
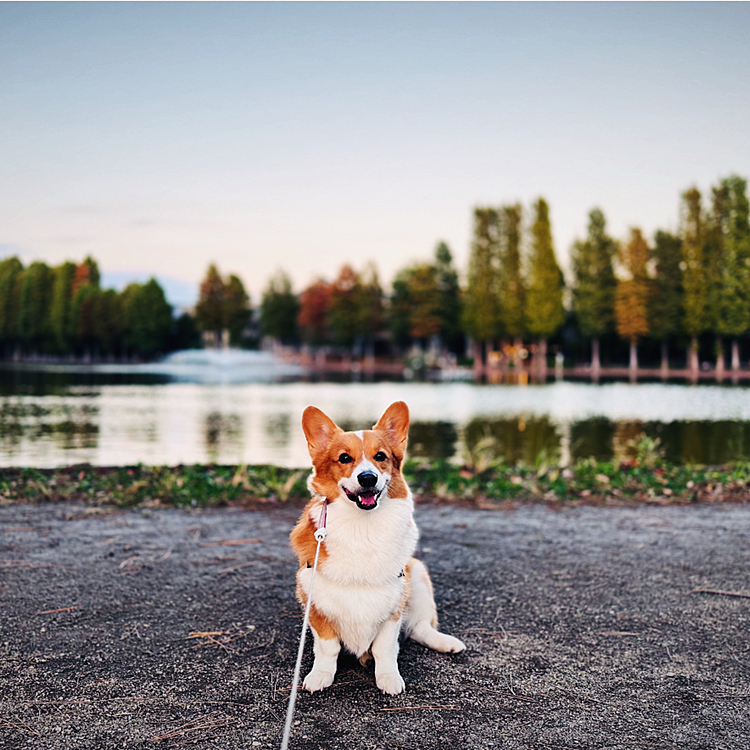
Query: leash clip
x=322, y=531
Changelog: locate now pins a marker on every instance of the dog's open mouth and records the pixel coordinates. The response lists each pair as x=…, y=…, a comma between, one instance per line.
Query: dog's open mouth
x=366, y=499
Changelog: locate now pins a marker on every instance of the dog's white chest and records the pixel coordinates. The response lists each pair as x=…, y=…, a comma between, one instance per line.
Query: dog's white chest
x=369, y=547
x=360, y=583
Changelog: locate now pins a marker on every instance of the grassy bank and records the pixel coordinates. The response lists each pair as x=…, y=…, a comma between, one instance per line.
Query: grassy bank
x=482, y=485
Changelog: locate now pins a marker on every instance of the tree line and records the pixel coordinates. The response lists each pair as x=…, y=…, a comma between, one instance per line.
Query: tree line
x=673, y=291
x=683, y=286
x=678, y=289
x=63, y=311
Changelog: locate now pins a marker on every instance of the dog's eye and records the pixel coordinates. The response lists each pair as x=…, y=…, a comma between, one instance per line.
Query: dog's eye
x=345, y=458
x=380, y=456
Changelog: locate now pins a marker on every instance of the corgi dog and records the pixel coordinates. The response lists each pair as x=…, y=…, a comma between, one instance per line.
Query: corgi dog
x=368, y=587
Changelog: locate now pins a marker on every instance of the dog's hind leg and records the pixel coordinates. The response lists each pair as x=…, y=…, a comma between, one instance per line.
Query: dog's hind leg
x=420, y=618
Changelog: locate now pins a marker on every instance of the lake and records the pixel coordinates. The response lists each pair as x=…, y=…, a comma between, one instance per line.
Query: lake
x=248, y=409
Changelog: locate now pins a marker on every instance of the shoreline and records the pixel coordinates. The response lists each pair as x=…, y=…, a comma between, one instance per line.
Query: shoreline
x=297, y=366
x=438, y=482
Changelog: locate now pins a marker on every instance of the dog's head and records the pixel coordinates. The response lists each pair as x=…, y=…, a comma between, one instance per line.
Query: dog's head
x=360, y=466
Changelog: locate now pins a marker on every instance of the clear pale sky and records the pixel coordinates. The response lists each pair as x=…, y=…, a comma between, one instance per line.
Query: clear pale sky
x=161, y=137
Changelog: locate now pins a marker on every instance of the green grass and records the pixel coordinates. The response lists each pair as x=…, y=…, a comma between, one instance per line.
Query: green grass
x=640, y=479
x=154, y=485
x=586, y=481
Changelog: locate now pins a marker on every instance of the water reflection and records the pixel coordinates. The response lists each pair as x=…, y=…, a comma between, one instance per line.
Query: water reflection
x=31, y=381
x=592, y=437
x=432, y=439
x=278, y=429
x=702, y=442
x=223, y=436
x=522, y=439
x=537, y=439
x=47, y=420
x=60, y=424
x=690, y=441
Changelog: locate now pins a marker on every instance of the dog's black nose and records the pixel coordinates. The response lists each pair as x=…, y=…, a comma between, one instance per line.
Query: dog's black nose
x=368, y=479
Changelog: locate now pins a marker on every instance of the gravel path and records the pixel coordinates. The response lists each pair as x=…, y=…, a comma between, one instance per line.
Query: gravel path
x=586, y=628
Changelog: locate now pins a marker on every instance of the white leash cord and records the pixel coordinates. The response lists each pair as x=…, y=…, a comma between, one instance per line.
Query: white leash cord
x=320, y=535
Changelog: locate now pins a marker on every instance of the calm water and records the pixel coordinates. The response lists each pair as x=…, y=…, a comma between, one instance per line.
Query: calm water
x=114, y=416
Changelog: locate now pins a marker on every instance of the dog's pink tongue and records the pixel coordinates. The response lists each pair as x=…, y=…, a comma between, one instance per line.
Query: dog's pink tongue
x=367, y=499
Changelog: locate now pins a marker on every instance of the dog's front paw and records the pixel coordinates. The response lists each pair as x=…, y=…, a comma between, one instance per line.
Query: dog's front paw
x=391, y=683
x=317, y=680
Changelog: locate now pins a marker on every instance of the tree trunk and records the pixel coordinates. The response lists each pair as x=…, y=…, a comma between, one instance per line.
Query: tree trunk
x=719, y=360
x=518, y=365
x=488, y=354
x=541, y=353
x=633, y=361
x=559, y=362
x=505, y=358
x=664, y=360
x=477, y=360
x=596, y=364
x=735, y=355
x=693, y=359
x=369, y=354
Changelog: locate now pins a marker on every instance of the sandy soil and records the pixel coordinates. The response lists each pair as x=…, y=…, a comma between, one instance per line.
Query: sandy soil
x=586, y=628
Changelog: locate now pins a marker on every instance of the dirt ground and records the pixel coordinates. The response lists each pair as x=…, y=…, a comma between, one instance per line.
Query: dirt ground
x=586, y=628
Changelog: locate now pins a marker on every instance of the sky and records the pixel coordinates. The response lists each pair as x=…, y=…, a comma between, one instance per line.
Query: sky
x=162, y=137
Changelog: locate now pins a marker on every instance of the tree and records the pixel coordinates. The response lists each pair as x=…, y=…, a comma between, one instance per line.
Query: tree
x=83, y=313
x=399, y=309
x=61, y=307
x=86, y=274
x=694, y=277
x=342, y=307
x=545, y=312
x=355, y=308
x=184, y=334
x=108, y=325
x=34, y=306
x=369, y=308
x=738, y=246
x=511, y=289
x=279, y=308
x=728, y=248
x=424, y=301
x=665, y=300
x=631, y=299
x=209, y=312
x=450, y=298
x=236, y=309
x=594, y=284
x=312, y=317
x=148, y=318
x=481, y=312
x=83, y=291
x=11, y=271
x=223, y=305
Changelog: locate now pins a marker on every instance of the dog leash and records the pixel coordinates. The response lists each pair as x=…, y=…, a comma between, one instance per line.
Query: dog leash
x=320, y=535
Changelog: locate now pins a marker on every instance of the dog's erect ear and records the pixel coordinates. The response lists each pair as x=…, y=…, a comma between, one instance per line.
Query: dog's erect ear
x=395, y=423
x=319, y=429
